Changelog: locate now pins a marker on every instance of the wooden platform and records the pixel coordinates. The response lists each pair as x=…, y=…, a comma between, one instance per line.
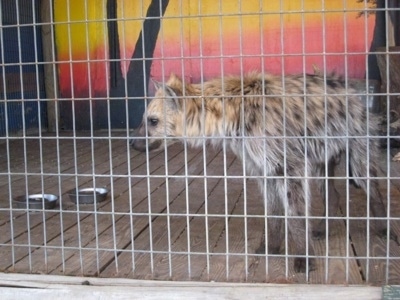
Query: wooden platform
x=192, y=227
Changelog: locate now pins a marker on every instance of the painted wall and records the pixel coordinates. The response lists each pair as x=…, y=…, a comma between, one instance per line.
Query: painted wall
x=208, y=38
x=23, y=85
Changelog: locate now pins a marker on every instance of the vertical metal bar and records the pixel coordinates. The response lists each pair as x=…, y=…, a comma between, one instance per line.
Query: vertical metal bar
x=306, y=171
x=7, y=138
x=74, y=137
x=24, y=133
x=264, y=120
x=224, y=140
x=244, y=138
x=286, y=217
x=203, y=137
x=40, y=139
x=122, y=40
x=92, y=146
x=326, y=212
x=148, y=174
x=167, y=196
x=185, y=151
x=387, y=88
x=367, y=89
x=57, y=133
x=347, y=137
x=111, y=165
x=186, y=174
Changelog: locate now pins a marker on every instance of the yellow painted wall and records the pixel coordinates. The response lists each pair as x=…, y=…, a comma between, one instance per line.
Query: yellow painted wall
x=210, y=37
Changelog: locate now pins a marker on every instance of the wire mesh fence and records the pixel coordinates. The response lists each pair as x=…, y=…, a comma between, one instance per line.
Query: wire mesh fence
x=200, y=140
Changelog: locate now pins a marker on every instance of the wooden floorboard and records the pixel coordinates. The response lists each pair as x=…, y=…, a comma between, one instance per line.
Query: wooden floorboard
x=191, y=228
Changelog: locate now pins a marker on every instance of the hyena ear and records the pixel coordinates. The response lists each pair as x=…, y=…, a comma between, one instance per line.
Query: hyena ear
x=171, y=96
x=157, y=85
x=164, y=86
x=174, y=80
x=173, y=100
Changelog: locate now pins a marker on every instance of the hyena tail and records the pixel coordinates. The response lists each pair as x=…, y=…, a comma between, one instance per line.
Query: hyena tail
x=364, y=170
x=352, y=181
x=362, y=163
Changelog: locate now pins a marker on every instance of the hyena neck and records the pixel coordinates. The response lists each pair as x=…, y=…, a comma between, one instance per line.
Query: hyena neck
x=213, y=108
x=206, y=116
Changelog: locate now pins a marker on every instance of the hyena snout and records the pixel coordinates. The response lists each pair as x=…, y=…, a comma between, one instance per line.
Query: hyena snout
x=140, y=142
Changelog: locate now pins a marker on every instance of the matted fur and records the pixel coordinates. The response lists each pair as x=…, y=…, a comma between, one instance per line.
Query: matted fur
x=283, y=128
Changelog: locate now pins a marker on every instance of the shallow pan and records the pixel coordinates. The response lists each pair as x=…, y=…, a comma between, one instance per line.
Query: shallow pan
x=36, y=201
x=88, y=195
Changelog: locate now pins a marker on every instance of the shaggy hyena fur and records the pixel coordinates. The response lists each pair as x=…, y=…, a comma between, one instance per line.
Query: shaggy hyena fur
x=284, y=128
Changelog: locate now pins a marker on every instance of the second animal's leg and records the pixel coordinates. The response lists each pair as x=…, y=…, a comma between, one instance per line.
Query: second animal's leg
x=361, y=173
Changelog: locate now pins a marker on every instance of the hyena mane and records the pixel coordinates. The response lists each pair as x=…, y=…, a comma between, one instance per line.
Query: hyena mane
x=284, y=128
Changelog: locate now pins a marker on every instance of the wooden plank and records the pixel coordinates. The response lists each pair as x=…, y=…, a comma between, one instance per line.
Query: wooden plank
x=54, y=287
x=391, y=292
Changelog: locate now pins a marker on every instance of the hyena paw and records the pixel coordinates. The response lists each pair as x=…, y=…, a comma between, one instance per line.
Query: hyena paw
x=300, y=264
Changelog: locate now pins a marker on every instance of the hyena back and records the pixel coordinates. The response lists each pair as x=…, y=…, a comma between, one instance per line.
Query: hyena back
x=284, y=128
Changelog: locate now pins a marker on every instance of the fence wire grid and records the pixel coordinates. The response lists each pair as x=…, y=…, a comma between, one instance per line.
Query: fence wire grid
x=76, y=80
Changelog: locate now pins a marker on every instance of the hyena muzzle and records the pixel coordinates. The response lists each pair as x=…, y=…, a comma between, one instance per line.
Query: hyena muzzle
x=285, y=129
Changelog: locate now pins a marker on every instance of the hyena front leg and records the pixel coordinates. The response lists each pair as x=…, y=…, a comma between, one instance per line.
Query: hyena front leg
x=274, y=212
x=319, y=232
x=294, y=198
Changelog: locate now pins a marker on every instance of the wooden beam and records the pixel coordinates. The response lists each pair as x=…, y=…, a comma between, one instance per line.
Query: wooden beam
x=16, y=286
x=50, y=68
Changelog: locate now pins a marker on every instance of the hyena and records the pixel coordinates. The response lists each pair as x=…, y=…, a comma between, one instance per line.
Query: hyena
x=284, y=128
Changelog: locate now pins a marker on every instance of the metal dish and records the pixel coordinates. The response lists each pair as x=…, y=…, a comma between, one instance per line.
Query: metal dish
x=88, y=195
x=36, y=201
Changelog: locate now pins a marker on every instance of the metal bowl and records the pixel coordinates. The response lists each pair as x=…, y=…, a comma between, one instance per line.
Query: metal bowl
x=36, y=201
x=88, y=195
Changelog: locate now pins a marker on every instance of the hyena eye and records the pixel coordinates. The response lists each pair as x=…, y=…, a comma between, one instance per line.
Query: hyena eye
x=152, y=121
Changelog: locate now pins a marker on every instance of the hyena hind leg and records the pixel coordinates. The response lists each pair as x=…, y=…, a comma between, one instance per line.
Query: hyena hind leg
x=319, y=231
x=297, y=209
x=292, y=195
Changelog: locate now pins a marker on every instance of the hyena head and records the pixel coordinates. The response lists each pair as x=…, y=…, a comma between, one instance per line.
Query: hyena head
x=161, y=119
